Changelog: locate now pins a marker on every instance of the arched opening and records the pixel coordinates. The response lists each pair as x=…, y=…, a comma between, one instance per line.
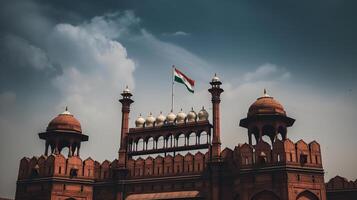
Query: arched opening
x=65, y=151
x=140, y=145
x=150, y=143
x=160, y=142
x=266, y=139
x=269, y=130
x=307, y=195
x=203, y=138
x=282, y=132
x=265, y=195
x=181, y=140
x=170, y=141
x=253, y=135
x=192, y=139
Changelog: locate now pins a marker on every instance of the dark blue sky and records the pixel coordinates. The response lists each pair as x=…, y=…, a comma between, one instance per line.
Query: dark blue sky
x=83, y=53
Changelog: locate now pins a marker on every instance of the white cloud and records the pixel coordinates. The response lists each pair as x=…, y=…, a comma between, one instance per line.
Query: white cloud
x=177, y=33
x=96, y=69
x=21, y=53
x=266, y=72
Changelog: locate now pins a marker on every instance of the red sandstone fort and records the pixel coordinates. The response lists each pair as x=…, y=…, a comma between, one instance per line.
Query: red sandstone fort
x=179, y=156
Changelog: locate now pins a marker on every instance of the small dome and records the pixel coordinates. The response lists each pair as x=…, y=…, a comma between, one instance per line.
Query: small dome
x=266, y=105
x=149, y=120
x=139, y=122
x=191, y=116
x=215, y=78
x=202, y=115
x=181, y=116
x=160, y=119
x=65, y=122
x=171, y=117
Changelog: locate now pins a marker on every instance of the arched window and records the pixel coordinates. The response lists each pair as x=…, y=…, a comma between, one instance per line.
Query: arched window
x=140, y=144
x=160, y=142
x=150, y=143
x=203, y=138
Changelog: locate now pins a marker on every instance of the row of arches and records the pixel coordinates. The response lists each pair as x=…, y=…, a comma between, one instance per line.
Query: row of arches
x=170, y=141
x=267, y=132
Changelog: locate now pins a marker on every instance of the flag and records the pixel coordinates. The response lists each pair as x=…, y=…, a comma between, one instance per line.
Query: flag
x=182, y=78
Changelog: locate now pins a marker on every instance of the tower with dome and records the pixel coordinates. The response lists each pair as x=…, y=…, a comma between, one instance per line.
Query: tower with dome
x=178, y=156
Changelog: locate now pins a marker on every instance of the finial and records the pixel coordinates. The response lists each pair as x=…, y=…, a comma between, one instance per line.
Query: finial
x=160, y=112
x=181, y=110
x=215, y=74
x=66, y=112
x=140, y=114
x=265, y=93
x=150, y=113
x=191, y=108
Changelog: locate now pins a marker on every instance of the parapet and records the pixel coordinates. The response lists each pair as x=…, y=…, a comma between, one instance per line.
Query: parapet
x=60, y=166
x=280, y=153
x=339, y=183
x=168, y=165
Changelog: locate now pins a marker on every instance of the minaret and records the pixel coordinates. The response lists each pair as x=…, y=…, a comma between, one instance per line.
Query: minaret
x=216, y=91
x=125, y=101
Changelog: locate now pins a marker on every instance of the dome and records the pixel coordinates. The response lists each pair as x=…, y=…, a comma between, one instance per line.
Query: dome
x=266, y=105
x=181, y=116
x=139, y=122
x=160, y=119
x=171, y=117
x=203, y=114
x=150, y=120
x=65, y=122
x=191, y=116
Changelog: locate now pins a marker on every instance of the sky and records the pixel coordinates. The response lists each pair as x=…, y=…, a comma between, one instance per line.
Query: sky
x=82, y=54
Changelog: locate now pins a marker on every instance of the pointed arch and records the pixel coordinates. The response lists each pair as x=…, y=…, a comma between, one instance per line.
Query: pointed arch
x=265, y=195
x=307, y=195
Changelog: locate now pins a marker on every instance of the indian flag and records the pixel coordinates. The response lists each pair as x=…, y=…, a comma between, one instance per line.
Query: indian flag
x=182, y=78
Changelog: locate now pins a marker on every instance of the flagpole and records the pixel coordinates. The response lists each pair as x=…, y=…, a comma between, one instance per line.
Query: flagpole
x=172, y=89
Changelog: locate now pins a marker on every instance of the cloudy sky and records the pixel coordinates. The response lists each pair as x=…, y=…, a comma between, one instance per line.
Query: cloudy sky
x=83, y=54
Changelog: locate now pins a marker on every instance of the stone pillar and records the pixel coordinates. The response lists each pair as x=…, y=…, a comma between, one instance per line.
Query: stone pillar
x=126, y=101
x=216, y=91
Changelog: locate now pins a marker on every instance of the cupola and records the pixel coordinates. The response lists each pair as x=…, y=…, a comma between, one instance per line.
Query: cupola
x=191, y=116
x=203, y=114
x=139, y=122
x=160, y=119
x=149, y=120
x=181, y=116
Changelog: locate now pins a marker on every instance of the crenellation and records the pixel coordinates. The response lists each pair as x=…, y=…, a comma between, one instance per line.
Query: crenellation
x=282, y=153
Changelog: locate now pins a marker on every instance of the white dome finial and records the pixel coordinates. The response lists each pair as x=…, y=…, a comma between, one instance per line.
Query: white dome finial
x=126, y=90
x=265, y=93
x=215, y=78
x=66, y=112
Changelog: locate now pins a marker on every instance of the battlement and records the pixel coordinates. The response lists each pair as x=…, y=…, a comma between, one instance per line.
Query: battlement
x=168, y=165
x=60, y=166
x=283, y=152
x=339, y=183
